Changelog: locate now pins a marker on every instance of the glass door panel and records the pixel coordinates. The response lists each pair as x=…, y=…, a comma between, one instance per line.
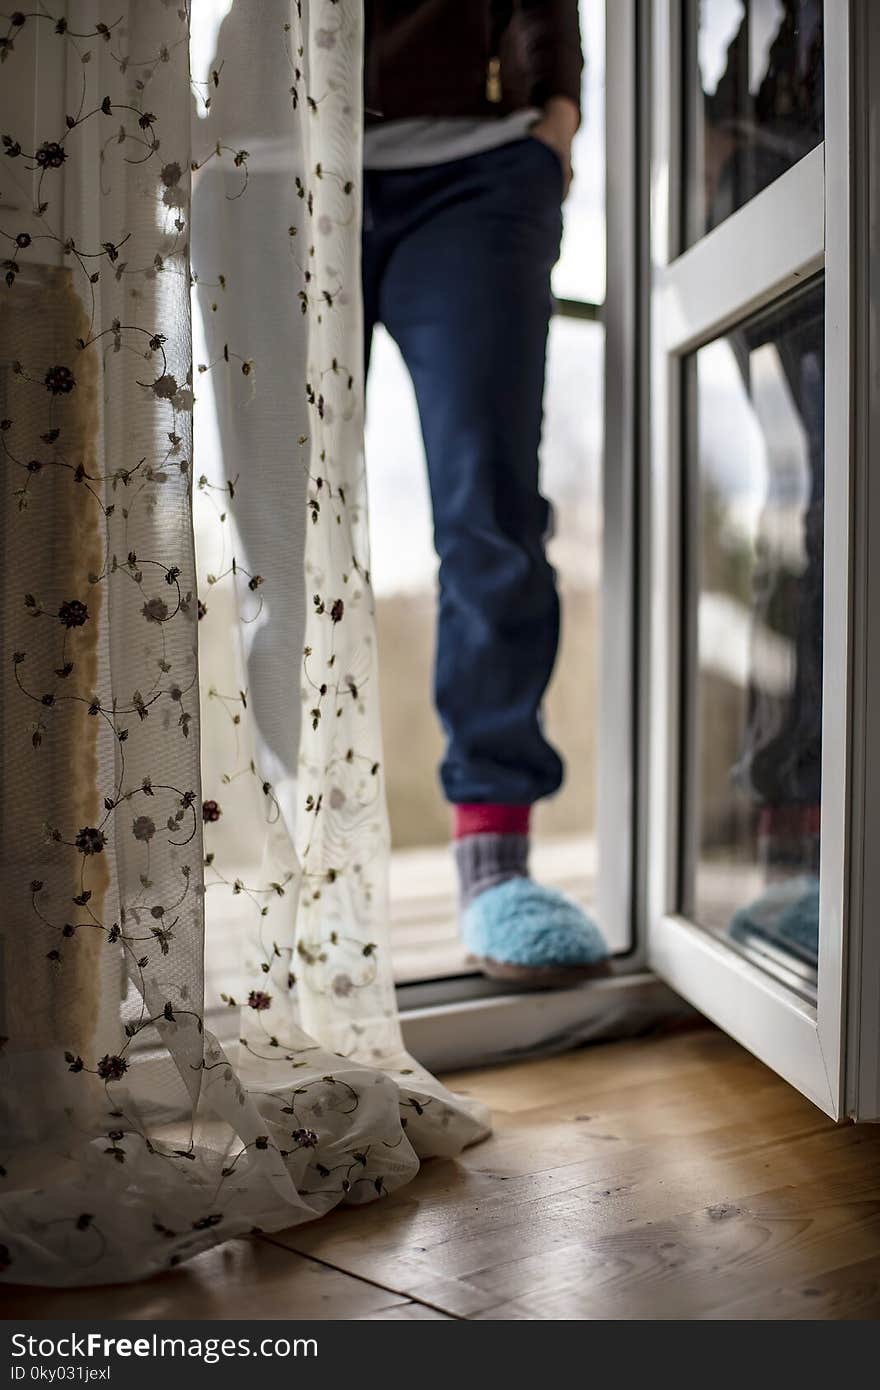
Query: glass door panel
x=757, y=100
x=753, y=706
x=758, y=782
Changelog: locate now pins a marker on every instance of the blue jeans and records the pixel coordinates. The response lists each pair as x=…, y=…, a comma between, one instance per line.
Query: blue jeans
x=456, y=265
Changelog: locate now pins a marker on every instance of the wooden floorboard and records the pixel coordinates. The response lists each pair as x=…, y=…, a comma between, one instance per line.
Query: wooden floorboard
x=671, y=1178
x=659, y=1178
x=240, y=1279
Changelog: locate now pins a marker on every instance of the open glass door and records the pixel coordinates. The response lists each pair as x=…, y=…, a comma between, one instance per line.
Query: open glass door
x=759, y=639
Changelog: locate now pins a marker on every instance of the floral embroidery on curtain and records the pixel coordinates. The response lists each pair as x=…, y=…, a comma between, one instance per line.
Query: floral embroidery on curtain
x=196, y=1001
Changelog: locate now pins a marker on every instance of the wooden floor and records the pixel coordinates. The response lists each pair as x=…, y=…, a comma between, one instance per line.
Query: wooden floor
x=664, y=1178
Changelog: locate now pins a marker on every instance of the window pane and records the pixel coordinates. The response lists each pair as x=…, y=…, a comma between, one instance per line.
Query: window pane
x=758, y=100
x=580, y=271
x=571, y=476
x=755, y=555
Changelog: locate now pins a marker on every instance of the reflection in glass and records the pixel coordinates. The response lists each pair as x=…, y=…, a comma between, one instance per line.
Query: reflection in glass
x=755, y=557
x=758, y=100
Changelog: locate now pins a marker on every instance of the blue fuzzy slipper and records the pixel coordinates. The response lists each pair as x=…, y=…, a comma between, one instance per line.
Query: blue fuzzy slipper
x=533, y=936
x=786, y=915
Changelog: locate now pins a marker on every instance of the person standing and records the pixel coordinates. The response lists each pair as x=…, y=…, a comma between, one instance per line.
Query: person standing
x=470, y=112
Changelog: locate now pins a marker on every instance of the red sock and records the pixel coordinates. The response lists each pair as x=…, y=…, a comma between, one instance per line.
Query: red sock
x=487, y=818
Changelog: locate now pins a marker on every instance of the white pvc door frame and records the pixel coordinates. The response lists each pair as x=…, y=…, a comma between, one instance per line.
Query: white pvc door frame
x=803, y=225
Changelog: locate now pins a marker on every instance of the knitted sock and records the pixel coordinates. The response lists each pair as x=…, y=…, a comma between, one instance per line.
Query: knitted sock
x=491, y=845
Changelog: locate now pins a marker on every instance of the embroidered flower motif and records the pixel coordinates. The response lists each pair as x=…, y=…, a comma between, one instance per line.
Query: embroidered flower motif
x=50, y=155
x=90, y=840
x=337, y=611
x=259, y=1000
x=112, y=1068
x=60, y=381
x=205, y=1223
x=143, y=828
x=203, y=610
x=155, y=610
x=342, y=985
x=164, y=935
x=22, y=240
x=171, y=174
x=165, y=387
x=73, y=613
x=305, y=1138
x=211, y=812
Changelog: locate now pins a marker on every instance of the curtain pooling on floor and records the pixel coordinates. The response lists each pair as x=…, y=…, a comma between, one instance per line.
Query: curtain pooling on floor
x=196, y=1000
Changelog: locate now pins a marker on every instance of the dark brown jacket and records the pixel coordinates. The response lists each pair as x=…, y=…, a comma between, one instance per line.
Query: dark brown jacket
x=468, y=57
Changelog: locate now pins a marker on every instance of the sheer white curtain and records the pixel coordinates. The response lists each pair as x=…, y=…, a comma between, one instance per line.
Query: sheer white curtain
x=167, y=1085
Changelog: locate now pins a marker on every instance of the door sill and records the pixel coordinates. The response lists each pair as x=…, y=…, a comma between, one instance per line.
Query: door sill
x=508, y=1027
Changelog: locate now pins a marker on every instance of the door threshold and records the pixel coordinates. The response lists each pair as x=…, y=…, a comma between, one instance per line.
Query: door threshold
x=510, y=1027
